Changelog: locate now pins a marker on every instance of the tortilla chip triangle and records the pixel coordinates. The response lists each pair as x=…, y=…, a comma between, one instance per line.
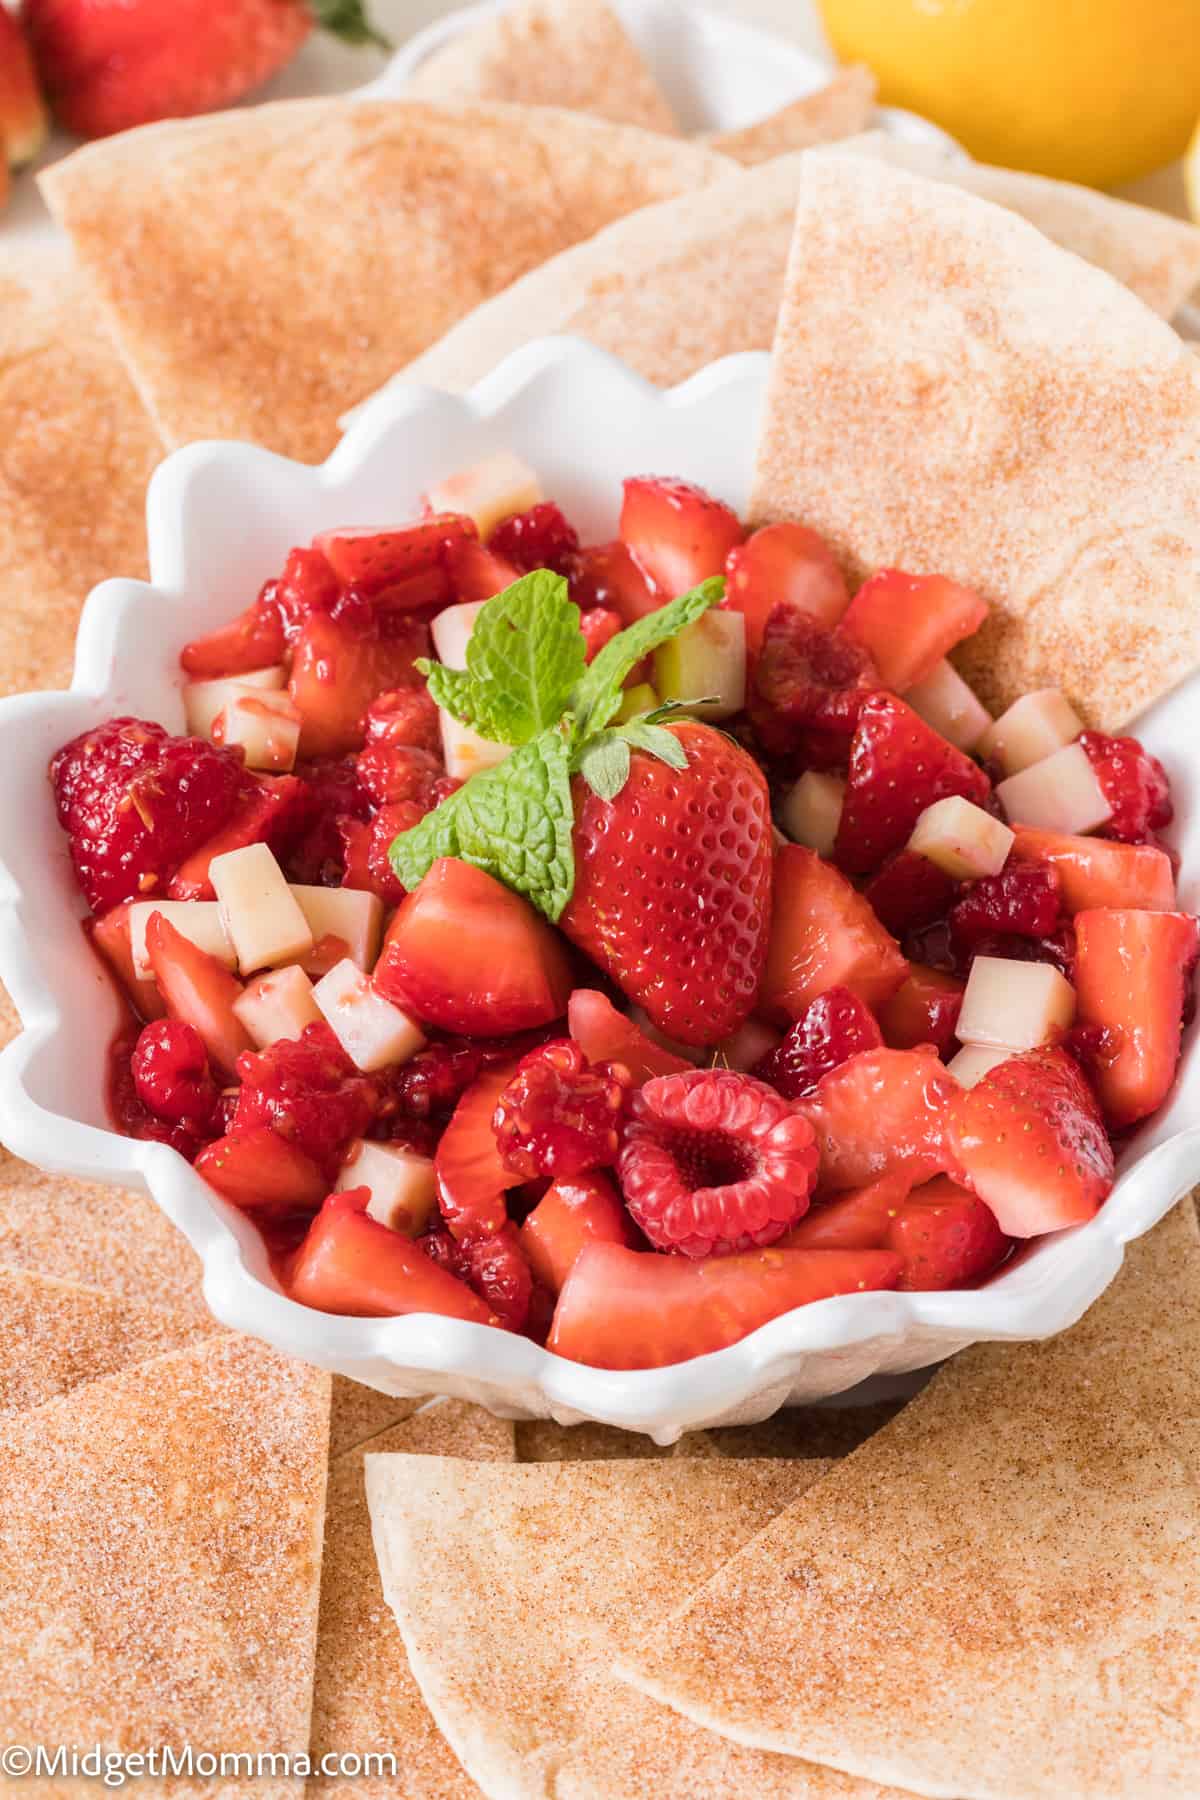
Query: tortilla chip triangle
x=365, y=229
x=161, y=1553
x=1000, y=1593
x=838, y=110
x=1046, y=424
x=541, y=1440
x=514, y=1587
x=357, y=1413
x=568, y=53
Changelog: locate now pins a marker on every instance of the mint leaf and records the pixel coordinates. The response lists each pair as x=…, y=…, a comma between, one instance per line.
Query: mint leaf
x=451, y=688
x=604, y=764
x=348, y=20
x=598, y=695
x=524, y=658
x=655, y=741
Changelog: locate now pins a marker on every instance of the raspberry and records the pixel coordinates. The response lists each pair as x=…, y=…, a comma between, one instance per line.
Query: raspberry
x=391, y=772
x=309, y=1091
x=316, y=857
x=431, y=1083
x=495, y=1267
x=714, y=1162
x=1133, y=782
x=541, y=538
x=807, y=678
x=910, y=892
x=560, y=1115
x=599, y=625
x=834, y=1027
x=1057, y=947
x=171, y=1074
x=308, y=585
x=135, y=802
x=132, y=1116
x=1021, y=900
x=407, y=716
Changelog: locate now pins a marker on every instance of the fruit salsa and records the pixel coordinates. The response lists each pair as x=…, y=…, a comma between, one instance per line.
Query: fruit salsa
x=624, y=944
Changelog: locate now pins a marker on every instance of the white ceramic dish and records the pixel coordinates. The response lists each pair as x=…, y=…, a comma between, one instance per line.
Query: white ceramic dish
x=221, y=518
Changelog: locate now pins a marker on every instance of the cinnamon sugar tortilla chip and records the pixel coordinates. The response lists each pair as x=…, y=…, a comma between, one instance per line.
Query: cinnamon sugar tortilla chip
x=999, y=1594
x=951, y=392
x=160, y=1558
x=76, y=452
x=365, y=1695
x=806, y=1431
x=364, y=230
x=839, y=110
x=513, y=1588
x=357, y=1413
x=568, y=53
x=541, y=1440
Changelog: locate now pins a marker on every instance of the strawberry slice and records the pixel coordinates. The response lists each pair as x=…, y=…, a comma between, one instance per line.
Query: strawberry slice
x=271, y=807
x=606, y=575
x=262, y=1173
x=857, y=1220
x=111, y=936
x=946, y=1236
x=196, y=988
x=348, y=1263
x=678, y=533
x=824, y=934
x=472, y=1176
x=478, y=574
x=254, y=640
x=923, y=1011
x=606, y=1035
x=910, y=892
x=621, y=1309
x=342, y=662
x=1094, y=872
x=1133, y=782
x=583, y=1210
x=1030, y=1140
x=898, y=767
x=908, y=623
x=783, y=565
x=834, y=1027
x=1133, y=973
x=403, y=568
x=883, y=1112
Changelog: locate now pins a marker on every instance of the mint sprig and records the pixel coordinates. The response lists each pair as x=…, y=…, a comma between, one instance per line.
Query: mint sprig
x=526, y=684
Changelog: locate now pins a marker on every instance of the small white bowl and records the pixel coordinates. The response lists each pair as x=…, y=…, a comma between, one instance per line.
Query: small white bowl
x=222, y=517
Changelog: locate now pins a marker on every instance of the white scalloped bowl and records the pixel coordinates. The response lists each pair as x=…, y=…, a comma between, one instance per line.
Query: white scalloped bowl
x=222, y=517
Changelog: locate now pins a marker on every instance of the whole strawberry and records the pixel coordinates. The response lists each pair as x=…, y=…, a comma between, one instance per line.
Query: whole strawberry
x=107, y=65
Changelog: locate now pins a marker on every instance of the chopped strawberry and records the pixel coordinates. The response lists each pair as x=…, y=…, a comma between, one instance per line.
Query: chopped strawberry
x=172, y=1077
x=343, y=660
x=314, y=855
x=1022, y=900
x=1133, y=782
x=883, y=1112
x=606, y=575
x=947, y=1237
x=405, y=717
x=270, y=810
x=308, y=1091
x=623, y=1310
x=923, y=1011
x=262, y=1173
x=196, y=988
x=560, y=1115
x=496, y=1267
x=307, y=585
x=1030, y=1140
x=23, y=121
x=910, y=892
x=365, y=849
x=834, y=1026
x=599, y=625
x=1133, y=976
x=1096, y=872
x=471, y=1173
x=808, y=680
x=898, y=767
x=254, y=640
x=571, y=1213
x=908, y=623
x=391, y=772
x=111, y=936
x=469, y=955
x=477, y=573
x=857, y=1220
x=783, y=565
x=1058, y=948
x=401, y=569
x=678, y=533
x=349, y=1263
x=542, y=538
x=823, y=935
x=606, y=1035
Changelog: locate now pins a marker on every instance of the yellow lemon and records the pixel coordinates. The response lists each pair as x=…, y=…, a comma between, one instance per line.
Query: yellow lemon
x=1098, y=91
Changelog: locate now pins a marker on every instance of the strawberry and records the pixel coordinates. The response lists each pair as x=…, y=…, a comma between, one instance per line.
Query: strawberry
x=857, y=1220
x=262, y=1173
x=343, y=660
x=349, y=1263
x=882, y=1112
x=824, y=935
x=606, y=575
x=783, y=565
x=400, y=569
x=910, y=892
x=1030, y=1141
x=947, y=1236
x=111, y=936
x=271, y=809
x=1133, y=976
x=673, y=885
x=571, y=1213
x=1022, y=900
x=472, y=1175
x=108, y=65
x=254, y=640
x=679, y=535
x=23, y=121
x=599, y=625
x=542, y=538
x=1095, y=872
x=898, y=767
x=1133, y=782
x=476, y=573
x=835, y=1026
x=606, y=1035
x=197, y=989
x=923, y=1011
x=908, y=623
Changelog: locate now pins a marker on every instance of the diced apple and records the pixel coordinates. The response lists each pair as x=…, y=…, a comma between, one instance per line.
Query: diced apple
x=199, y=921
x=260, y=913
x=961, y=838
x=704, y=666
x=451, y=632
x=746, y=1046
x=973, y=1062
x=203, y=700
x=1014, y=1005
x=488, y=491
x=1060, y=793
x=812, y=809
x=277, y=1005
x=349, y=914
x=464, y=751
x=371, y=1030
x=265, y=725
x=402, y=1185
x=955, y=710
x=639, y=699
x=1033, y=728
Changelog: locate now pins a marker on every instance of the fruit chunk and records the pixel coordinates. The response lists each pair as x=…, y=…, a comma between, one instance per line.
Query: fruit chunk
x=1030, y=1140
x=811, y=810
x=973, y=1062
x=746, y=1047
x=402, y=1185
x=1094, y=872
x=834, y=1027
x=946, y=1236
x=1033, y=728
x=823, y=935
x=203, y=700
x=198, y=921
x=254, y=640
x=169, y=1066
x=954, y=710
x=262, y=1173
x=622, y=1310
x=195, y=987
x=260, y=913
x=571, y=1213
x=472, y=1174
x=371, y=1031
x=1133, y=782
x=703, y=668
x=607, y=575
x=340, y=663
x=783, y=565
x=272, y=809
x=264, y=726
x=495, y=1267
x=401, y=568
x=540, y=537
x=1022, y=899
x=464, y=750
x=907, y=623
x=923, y=1011
x=898, y=768
x=488, y=491
x=961, y=838
x=469, y=955
x=678, y=533
x=309, y=1092
x=1133, y=971
x=350, y=1264
x=278, y=1005
x=910, y=893
x=112, y=937
x=808, y=680
x=883, y=1112
x=857, y=1220
x=606, y=1035
x=1014, y=1005
x=1060, y=793
x=349, y=914
x=560, y=1115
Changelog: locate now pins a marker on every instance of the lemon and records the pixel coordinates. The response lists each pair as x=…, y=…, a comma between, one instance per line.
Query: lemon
x=1098, y=91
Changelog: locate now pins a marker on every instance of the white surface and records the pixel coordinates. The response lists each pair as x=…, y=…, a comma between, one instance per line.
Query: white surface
x=221, y=518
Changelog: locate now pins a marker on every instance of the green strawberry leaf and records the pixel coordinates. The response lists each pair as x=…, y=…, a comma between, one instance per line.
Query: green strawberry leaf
x=524, y=657
x=604, y=764
x=598, y=694
x=655, y=741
